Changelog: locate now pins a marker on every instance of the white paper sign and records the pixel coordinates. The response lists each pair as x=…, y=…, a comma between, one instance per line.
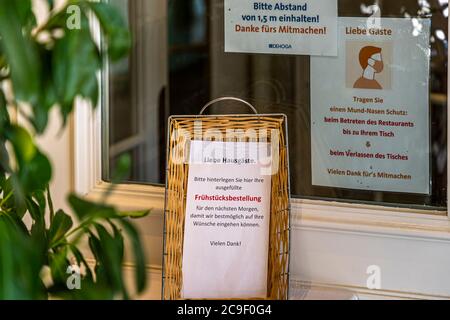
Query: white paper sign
x=370, y=108
x=300, y=27
x=226, y=236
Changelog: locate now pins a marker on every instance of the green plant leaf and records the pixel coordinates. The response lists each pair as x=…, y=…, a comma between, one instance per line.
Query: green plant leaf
x=76, y=61
x=51, y=4
x=9, y=201
x=118, y=239
x=95, y=247
x=37, y=233
x=2, y=56
x=40, y=119
x=2, y=182
x=46, y=74
x=20, y=51
x=108, y=269
x=134, y=214
x=59, y=263
x=36, y=174
x=20, y=264
x=37, y=215
x=57, y=21
x=122, y=169
x=26, y=15
x=138, y=254
x=111, y=255
x=4, y=115
x=39, y=196
x=35, y=170
x=23, y=144
x=114, y=28
x=61, y=224
x=4, y=158
x=89, y=210
x=18, y=222
x=48, y=97
x=90, y=89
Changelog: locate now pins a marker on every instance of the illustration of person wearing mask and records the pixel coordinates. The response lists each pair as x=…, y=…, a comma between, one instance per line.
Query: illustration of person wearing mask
x=371, y=61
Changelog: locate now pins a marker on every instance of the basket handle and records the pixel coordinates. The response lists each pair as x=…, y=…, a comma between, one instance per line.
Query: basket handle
x=228, y=99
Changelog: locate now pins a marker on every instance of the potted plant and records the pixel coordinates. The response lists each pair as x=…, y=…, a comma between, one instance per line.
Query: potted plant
x=43, y=67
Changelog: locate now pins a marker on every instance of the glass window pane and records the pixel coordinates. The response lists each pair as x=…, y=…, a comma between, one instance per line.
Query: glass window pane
x=178, y=64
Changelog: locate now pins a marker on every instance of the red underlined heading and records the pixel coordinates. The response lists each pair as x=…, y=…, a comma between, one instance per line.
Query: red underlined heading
x=246, y=198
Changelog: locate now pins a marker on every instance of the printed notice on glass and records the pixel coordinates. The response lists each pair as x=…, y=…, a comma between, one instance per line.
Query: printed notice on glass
x=296, y=27
x=226, y=237
x=370, y=107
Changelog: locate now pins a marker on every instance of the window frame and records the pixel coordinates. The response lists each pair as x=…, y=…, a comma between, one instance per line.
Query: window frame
x=331, y=217
x=88, y=176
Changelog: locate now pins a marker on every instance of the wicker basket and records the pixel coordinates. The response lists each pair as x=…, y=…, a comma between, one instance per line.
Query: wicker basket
x=175, y=203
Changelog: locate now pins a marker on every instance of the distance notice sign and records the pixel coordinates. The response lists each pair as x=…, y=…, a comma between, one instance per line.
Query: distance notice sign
x=370, y=108
x=306, y=27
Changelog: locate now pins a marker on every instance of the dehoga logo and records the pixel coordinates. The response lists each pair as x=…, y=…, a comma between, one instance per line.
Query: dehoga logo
x=280, y=46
